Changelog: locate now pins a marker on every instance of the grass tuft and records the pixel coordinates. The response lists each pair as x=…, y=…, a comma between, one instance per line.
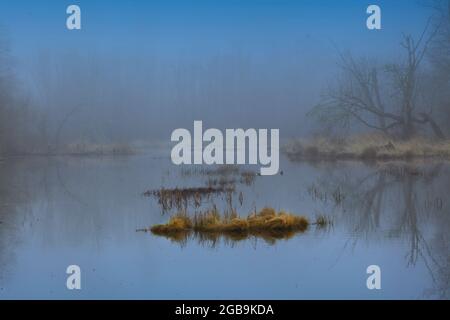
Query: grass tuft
x=267, y=224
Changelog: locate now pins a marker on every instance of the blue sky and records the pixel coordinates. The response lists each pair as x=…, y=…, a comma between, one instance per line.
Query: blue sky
x=171, y=27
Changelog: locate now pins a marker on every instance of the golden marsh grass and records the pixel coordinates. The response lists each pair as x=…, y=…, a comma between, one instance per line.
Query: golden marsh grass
x=267, y=224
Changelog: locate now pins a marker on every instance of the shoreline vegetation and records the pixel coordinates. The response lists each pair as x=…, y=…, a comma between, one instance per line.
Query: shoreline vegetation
x=77, y=149
x=368, y=147
x=267, y=224
x=92, y=149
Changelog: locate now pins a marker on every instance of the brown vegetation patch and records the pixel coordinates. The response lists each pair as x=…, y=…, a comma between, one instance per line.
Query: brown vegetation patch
x=266, y=224
x=367, y=147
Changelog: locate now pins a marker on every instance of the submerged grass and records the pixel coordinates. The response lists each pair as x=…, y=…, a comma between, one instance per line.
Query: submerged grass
x=180, y=198
x=367, y=147
x=267, y=224
x=322, y=221
x=93, y=149
x=223, y=175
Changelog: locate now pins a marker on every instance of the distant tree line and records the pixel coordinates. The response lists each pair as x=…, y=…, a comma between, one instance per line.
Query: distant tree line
x=20, y=130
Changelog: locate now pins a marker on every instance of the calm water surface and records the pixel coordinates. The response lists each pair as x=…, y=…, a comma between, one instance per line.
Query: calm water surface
x=55, y=212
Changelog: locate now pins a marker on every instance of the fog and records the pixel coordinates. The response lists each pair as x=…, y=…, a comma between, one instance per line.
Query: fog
x=137, y=72
x=87, y=175
x=148, y=97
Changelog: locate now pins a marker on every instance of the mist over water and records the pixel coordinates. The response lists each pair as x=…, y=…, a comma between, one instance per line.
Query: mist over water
x=86, y=118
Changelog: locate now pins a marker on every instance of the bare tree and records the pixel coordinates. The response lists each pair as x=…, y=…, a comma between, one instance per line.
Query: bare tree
x=440, y=58
x=386, y=97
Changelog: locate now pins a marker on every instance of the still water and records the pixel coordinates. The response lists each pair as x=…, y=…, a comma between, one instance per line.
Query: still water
x=55, y=212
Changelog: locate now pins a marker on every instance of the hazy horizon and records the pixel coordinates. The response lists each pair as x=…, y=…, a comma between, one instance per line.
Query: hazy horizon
x=140, y=70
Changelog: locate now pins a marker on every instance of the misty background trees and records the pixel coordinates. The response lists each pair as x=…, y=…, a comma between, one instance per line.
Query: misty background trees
x=401, y=98
x=85, y=96
x=440, y=61
x=18, y=121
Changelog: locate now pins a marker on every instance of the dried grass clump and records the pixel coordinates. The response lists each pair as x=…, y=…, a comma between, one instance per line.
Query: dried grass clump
x=267, y=224
x=180, y=222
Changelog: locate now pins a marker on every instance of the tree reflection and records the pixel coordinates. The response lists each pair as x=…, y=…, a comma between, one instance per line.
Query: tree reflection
x=405, y=201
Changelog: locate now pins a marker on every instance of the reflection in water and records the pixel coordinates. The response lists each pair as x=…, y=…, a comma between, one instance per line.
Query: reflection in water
x=58, y=211
x=399, y=200
x=228, y=238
